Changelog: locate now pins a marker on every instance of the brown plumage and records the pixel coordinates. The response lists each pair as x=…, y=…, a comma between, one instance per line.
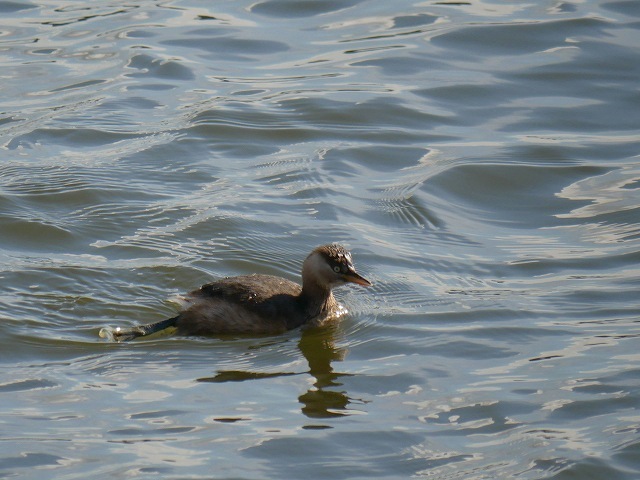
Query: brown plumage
x=262, y=304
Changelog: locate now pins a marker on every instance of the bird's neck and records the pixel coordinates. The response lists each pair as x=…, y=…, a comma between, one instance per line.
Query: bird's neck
x=315, y=299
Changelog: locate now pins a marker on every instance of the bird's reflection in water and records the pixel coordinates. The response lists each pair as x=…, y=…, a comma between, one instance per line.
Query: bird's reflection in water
x=325, y=399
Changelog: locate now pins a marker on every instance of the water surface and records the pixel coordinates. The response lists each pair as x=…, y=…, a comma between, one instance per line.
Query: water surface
x=480, y=159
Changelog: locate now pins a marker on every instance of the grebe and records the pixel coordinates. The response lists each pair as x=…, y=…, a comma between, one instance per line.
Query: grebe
x=261, y=304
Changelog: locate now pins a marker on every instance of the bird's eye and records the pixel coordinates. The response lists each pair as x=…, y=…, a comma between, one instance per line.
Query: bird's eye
x=336, y=269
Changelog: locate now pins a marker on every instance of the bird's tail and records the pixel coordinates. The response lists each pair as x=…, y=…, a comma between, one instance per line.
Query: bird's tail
x=125, y=334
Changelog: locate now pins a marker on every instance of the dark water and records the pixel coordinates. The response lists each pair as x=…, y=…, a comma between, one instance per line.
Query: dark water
x=481, y=160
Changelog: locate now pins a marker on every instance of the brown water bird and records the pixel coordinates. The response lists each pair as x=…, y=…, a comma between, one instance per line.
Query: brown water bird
x=261, y=304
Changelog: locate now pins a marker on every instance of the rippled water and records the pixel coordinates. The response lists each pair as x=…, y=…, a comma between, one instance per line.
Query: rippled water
x=481, y=160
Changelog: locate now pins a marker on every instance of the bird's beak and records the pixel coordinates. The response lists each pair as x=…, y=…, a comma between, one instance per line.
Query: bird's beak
x=355, y=277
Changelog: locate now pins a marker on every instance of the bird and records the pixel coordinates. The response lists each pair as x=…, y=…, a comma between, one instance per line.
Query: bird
x=260, y=304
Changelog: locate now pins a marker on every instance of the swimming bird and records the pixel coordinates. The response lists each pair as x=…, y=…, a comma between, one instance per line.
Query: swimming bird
x=261, y=304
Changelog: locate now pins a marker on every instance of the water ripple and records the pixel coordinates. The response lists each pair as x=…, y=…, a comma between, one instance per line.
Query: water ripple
x=479, y=159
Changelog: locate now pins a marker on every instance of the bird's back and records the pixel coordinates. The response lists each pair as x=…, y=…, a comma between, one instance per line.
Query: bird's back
x=247, y=289
x=245, y=304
